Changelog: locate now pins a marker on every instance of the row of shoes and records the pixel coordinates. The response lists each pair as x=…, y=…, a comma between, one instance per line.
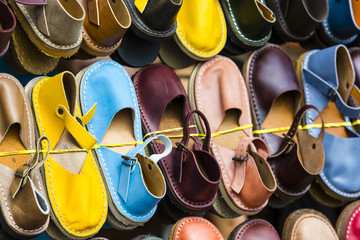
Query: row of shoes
x=181, y=32
x=112, y=148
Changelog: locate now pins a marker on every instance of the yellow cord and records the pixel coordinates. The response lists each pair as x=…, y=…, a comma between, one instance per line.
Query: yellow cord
x=201, y=136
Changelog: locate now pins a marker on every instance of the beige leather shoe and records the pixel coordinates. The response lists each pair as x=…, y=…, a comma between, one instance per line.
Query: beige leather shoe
x=304, y=224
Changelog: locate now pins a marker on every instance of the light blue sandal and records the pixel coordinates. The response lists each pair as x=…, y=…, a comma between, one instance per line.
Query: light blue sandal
x=134, y=182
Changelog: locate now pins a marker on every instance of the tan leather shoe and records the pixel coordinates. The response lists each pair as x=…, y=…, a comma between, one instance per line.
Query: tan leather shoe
x=304, y=224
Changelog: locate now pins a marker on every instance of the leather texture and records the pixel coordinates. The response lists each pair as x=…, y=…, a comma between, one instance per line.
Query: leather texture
x=249, y=21
x=157, y=21
x=73, y=181
x=355, y=58
x=43, y=21
x=305, y=224
x=8, y=23
x=25, y=211
x=189, y=189
x=221, y=79
x=107, y=84
x=276, y=78
x=298, y=19
x=201, y=31
x=347, y=224
x=195, y=228
x=270, y=69
x=320, y=69
x=341, y=25
x=105, y=24
x=255, y=229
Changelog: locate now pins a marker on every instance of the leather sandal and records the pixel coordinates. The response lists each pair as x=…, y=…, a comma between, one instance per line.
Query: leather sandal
x=192, y=174
x=134, y=182
x=304, y=224
x=298, y=19
x=201, y=32
x=247, y=180
x=194, y=228
x=72, y=179
x=153, y=21
x=24, y=57
x=327, y=78
x=254, y=229
x=24, y=208
x=301, y=154
x=249, y=25
x=7, y=26
x=105, y=24
x=42, y=20
x=347, y=224
x=342, y=26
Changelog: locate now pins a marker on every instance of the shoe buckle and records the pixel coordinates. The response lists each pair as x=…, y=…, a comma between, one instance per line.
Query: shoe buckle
x=332, y=94
x=241, y=159
x=181, y=147
x=132, y=163
x=288, y=139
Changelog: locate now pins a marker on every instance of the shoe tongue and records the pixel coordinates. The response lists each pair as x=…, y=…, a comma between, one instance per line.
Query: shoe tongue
x=159, y=15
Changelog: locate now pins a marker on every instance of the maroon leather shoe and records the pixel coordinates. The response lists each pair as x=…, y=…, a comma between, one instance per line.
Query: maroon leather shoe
x=255, y=229
x=7, y=23
x=296, y=157
x=191, y=172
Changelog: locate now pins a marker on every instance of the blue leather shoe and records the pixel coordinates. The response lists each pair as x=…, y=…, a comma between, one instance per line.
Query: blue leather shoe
x=134, y=182
x=343, y=23
x=327, y=78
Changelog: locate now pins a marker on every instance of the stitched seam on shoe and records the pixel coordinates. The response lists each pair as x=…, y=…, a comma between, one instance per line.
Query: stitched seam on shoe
x=28, y=119
x=327, y=29
x=213, y=145
x=88, y=40
x=136, y=130
x=319, y=218
x=201, y=52
x=237, y=26
x=43, y=38
x=215, y=230
x=51, y=187
x=248, y=225
x=353, y=215
x=10, y=215
x=165, y=163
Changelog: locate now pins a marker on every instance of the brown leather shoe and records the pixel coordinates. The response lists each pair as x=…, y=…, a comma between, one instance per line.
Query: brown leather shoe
x=24, y=208
x=191, y=173
x=255, y=229
x=218, y=89
x=104, y=26
x=304, y=224
x=191, y=228
x=296, y=157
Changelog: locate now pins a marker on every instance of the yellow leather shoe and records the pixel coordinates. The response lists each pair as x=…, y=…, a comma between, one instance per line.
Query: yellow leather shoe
x=201, y=30
x=74, y=185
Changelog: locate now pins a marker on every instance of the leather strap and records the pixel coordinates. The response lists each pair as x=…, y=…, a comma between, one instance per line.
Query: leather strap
x=93, y=12
x=185, y=140
x=246, y=147
x=288, y=141
x=331, y=92
x=75, y=128
x=129, y=161
x=27, y=170
x=32, y=2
